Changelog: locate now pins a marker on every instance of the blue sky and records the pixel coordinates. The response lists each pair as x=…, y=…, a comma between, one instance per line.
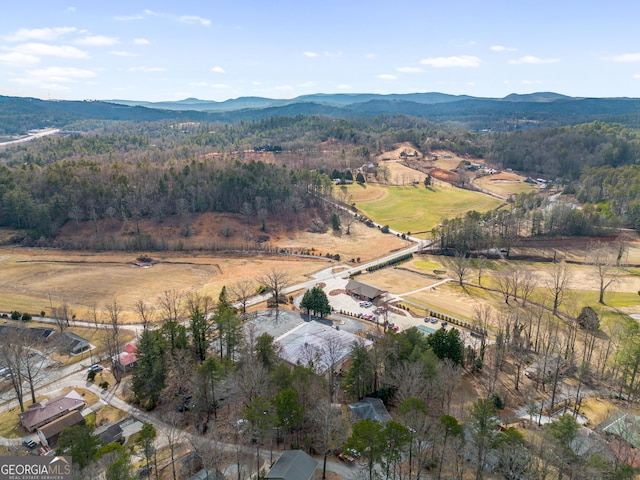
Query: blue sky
x=221, y=49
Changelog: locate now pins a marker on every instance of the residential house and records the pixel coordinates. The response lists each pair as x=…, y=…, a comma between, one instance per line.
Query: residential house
x=109, y=433
x=46, y=411
x=293, y=465
x=50, y=432
x=73, y=343
x=127, y=358
x=369, y=408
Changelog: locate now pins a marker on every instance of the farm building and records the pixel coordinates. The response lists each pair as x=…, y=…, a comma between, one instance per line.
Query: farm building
x=46, y=411
x=363, y=291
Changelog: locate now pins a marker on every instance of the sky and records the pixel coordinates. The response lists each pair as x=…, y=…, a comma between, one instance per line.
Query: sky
x=220, y=49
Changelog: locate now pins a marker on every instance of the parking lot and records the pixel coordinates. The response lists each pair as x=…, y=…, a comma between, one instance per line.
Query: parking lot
x=368, y=312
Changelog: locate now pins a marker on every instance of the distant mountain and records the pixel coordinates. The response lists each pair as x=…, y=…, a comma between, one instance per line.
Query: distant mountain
x=536, y=97
x=18, y=115
x=335, y=99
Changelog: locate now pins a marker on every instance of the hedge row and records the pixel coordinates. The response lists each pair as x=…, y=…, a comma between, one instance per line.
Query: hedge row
x=456, y=321
x=395, y=261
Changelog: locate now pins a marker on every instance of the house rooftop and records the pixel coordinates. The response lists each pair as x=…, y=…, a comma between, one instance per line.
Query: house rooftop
x=41, y=412
x=371, y=408
x=54, y=428
x=313, y=342
x=293, y=465
x=362, y=289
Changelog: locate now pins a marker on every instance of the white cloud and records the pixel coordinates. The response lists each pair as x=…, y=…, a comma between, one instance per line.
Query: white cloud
x=123, y=53
x=195, y=20
x=333, y=55
x=283, y=87
x=637, y=75
x=464, y=61
x=198, y=84
x=18, y=59
x=147, y=69
x=626, y=58
x=369, y=56
x=220, y=85
x=44, y=34
x=306, y=85
x=218, y=69
x=141, y=41
x=502, y=48
x=385, y=76
x=531, y=60
x=58, y=75
x=310, y=54
x=344, y=86
x=531, y=82
x=98, y=41
x=129, y=18
x=63, y=51
x=410, y=69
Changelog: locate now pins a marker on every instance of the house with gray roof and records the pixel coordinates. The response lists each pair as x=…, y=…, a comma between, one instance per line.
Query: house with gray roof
x=73, y=343
x=371, y=408
x=293, y=465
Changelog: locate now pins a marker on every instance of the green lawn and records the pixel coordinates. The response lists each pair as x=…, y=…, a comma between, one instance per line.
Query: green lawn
x=417, y=209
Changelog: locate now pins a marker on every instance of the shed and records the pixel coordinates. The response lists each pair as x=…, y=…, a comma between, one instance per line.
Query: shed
x=293, y=465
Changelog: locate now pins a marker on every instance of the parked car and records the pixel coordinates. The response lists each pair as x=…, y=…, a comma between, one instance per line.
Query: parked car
x=29, y=444
x=96, y=368
x=434, y=320
x=444, y=324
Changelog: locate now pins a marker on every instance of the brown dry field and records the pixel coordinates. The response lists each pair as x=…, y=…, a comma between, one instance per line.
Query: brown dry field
x=82, y=279
x=504, y=183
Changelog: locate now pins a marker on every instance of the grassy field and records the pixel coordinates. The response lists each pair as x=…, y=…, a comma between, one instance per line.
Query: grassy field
x=416, y=208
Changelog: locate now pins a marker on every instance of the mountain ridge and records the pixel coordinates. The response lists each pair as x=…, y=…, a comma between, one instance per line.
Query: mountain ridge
x=481, y=114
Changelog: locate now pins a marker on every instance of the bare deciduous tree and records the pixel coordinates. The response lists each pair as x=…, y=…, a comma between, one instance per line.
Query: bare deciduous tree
x=459, y=265
x=560, y=277
x=113, y=339
x=603, y=259
x=146, y=312
x=241, y=291
x=276, y=281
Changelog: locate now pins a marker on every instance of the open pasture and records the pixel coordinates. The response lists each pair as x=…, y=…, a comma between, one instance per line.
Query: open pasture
x=419, y=209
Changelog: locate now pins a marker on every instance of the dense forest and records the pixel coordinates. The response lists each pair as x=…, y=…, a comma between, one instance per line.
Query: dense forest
x=130, y=170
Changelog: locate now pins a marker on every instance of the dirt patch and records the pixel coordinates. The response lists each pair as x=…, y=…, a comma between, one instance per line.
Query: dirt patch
x=444, y=175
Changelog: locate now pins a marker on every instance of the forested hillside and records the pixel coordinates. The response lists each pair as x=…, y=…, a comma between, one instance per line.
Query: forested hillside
x=130, y=170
